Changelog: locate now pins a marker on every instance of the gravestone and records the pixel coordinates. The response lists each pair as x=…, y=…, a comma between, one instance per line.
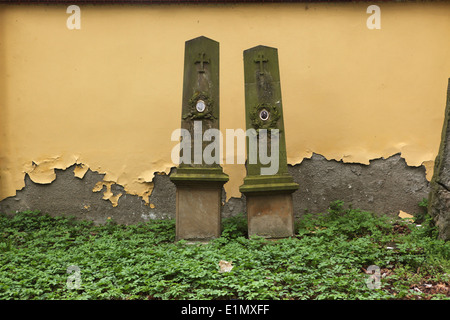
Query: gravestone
x=199, y=178
x=268, y=187
x=439, y=197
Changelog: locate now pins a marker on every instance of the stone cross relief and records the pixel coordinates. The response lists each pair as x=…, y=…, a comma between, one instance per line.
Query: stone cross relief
x=201, y=61
x=203, y=76
x=264, y=79
x=260, y=59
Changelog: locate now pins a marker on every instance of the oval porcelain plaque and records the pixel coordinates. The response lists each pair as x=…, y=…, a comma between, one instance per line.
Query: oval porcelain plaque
x=264, y=115
x=200, y=106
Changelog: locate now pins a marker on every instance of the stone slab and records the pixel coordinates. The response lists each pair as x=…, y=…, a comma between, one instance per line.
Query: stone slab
x=270, y=215
x=198, y=216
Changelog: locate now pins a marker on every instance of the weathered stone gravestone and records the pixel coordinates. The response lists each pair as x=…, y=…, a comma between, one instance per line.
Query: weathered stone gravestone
x=439, y=198
x=268, y=187
x=199, y=178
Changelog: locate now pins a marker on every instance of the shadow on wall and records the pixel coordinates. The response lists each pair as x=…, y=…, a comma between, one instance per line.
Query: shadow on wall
x=385, y=187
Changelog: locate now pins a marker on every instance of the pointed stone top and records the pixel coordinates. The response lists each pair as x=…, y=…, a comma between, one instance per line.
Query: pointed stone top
x=259, y=48
x=201, y=39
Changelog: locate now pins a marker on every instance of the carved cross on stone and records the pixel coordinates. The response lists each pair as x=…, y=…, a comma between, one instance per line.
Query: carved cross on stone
x=202, y=62
x=261, y=61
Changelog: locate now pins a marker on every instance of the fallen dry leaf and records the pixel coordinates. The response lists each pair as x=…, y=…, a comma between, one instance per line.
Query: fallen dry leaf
x=225, y=266
x=405, y=215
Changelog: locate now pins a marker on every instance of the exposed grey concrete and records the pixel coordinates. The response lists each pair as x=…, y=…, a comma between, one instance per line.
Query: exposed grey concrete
x=233, y=206
x=68, y=195
x=163, y=197
x=384, y=186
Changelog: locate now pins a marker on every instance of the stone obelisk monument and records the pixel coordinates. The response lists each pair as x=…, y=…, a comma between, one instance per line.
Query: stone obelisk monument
x=268, y=187
x=199, y=178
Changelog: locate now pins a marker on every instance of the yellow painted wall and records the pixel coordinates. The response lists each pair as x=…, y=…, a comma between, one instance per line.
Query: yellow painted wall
x=108, y=96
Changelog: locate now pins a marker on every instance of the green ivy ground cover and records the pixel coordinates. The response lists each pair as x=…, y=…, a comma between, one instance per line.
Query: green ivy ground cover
x=328, y=259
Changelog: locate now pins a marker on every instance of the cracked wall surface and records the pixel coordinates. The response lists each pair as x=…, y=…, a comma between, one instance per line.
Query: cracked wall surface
x=89, y=198
x=385, y=186
x=104, y=100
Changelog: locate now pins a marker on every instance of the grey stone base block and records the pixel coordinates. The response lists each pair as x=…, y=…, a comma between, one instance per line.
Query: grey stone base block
x=270, y=215
x=198, y=212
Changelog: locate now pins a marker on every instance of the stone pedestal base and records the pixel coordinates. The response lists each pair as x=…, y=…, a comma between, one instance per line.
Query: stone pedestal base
x=270, y=215
x=198, y=212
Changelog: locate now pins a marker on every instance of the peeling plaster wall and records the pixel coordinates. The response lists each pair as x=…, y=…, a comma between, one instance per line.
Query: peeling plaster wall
x=105, y=99
x=385, y=186
x=69, y=195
